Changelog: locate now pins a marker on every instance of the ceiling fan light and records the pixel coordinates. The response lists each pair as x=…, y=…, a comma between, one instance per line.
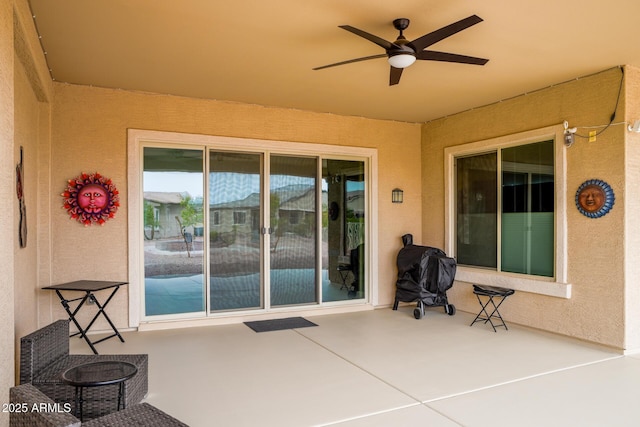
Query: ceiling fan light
x=402, y=60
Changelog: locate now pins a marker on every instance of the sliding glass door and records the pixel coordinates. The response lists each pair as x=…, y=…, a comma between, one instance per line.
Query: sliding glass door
x=229, y=231
x=173, y=231
x=343, y=230
x=235, y=209
x=293, y=199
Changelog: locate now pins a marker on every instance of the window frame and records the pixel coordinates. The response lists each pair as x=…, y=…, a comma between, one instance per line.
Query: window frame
x=239, y=217
x=556, y=286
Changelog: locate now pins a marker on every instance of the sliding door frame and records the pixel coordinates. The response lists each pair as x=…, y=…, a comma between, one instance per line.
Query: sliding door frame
x=138, y=139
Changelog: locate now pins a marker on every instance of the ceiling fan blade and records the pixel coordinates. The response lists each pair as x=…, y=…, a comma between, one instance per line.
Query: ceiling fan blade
x=365, y=58
x=444, y=32
x=432, y=55
x=387, y=45
x=394, y=76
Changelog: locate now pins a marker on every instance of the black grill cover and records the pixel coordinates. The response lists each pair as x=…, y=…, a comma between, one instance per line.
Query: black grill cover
x=441, y=271
x=424, y=273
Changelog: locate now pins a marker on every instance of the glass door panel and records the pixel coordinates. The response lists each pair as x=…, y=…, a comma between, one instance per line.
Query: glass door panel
x=173, y=224
x=343, y=230
x=234, y=230
x=293, y=219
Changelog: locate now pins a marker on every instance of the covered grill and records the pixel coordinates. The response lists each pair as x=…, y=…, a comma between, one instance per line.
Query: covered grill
x=424, y=275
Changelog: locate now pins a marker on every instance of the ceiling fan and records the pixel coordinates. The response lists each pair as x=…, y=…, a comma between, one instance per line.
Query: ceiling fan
x=402, y=52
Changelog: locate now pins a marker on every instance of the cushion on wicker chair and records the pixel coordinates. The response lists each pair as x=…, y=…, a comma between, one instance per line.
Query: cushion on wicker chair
x=43, y=412
x=26, y=411
x=142, y=415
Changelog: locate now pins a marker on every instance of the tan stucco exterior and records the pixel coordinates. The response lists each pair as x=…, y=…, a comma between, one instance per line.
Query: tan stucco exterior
x=601, y=252
x=7, y=192
x=631, y=236
x=66, y=129
x=93, y=124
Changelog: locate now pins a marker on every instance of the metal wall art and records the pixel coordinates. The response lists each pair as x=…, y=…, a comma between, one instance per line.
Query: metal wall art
x=594, y=198
x=91, y=199
x=22, y=223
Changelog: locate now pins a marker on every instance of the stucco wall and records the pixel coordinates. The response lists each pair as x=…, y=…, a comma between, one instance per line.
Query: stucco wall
x=26, y=136
x=7, y=194
x=30, y=126
x=90, y=134
x=632, y=205
x=596, y=253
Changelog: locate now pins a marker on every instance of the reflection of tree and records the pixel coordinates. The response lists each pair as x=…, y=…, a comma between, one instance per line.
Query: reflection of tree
x=150, y=221
x=274, y=208
x=191, y=211
x=306, y=227
x=191, y=215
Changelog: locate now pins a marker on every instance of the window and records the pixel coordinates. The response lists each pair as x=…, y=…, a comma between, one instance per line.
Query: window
x=505, y=211
x=239, y=217
x=476, y=206
x=216, y=217
x=294, y=217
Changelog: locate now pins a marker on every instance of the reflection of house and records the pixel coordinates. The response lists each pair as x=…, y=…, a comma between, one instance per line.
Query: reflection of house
x=296, y=208
x=242, y=215
x=166, y=206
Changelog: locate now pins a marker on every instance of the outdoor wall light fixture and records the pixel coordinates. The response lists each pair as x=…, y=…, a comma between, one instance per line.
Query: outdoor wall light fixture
x=635, y=127
x=397, y=195
x=569, y=137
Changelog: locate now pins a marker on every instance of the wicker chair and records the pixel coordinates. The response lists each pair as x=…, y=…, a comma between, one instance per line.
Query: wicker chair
x=44, y=356
x=31, y=408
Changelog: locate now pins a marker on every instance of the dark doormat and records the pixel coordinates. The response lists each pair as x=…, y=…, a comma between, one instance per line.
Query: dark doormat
x=280, y=324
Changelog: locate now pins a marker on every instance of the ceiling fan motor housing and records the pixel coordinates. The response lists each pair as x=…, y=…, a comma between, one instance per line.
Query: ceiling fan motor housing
x=401, y=24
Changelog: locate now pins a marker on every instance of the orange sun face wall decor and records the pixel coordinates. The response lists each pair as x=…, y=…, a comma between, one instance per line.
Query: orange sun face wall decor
x=91, y=199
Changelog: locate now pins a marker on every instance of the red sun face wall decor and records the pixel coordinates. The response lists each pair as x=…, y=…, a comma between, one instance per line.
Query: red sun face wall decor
x=91, y=199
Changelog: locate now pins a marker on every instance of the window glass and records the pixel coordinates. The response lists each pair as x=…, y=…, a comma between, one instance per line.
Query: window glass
x=344, y=213
x=476, y=198
x=234, y=237
x=173, y=242
x=293, y=212
x=521, y=207
x=528, y=209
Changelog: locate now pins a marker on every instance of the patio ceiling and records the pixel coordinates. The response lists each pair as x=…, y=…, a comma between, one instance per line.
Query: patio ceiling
x=263, y=52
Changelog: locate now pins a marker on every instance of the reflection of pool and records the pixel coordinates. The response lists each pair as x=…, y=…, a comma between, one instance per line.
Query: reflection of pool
x=178, y=245
x=185, y=294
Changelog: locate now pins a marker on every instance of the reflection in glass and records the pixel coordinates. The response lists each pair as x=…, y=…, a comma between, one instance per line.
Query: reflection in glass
x=477, y=204
x=178, y=227
x=173, y=215
x=293, y=224
x=343, y=230
x=234, y=230
x=528, y=195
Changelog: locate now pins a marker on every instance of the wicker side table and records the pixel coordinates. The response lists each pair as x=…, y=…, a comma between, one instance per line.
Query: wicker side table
x=97, y=374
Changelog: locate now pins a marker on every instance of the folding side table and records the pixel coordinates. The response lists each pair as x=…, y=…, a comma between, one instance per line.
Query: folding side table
x=491, y=292
x=344, y=270
x=88, y=287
